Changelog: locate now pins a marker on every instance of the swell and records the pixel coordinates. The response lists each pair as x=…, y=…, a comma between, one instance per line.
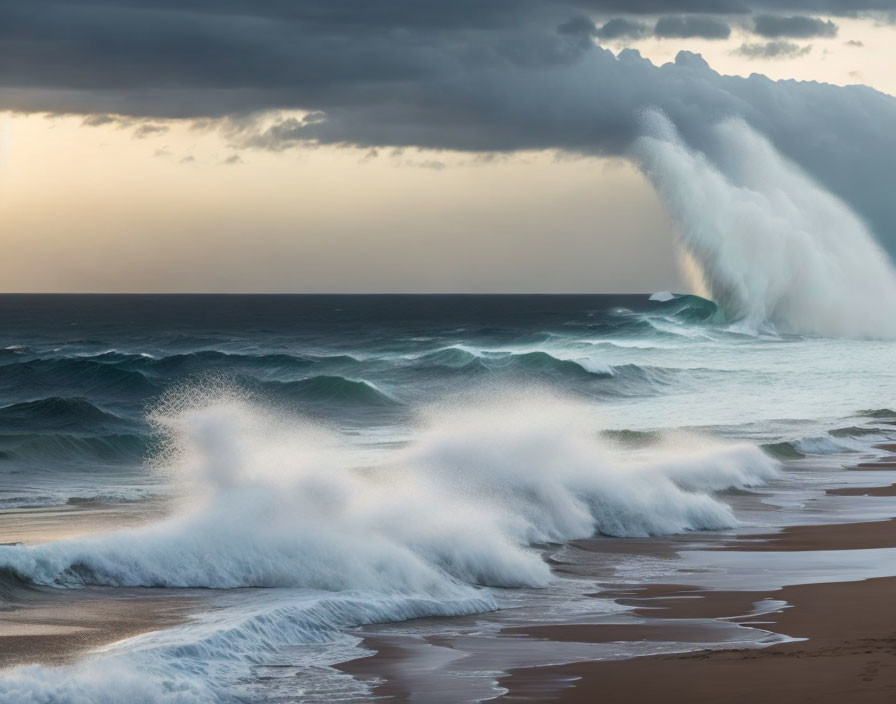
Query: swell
x=130, y=375
x=576, y=368
x=65, y=449
x=202, y=361
x=76, y=376
x=58, y=413
x=844, y=439
x=326, y=389
x=883, y=413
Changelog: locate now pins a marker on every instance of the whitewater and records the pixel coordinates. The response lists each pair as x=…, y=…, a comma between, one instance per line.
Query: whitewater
x=295, y=468
x=774, y=249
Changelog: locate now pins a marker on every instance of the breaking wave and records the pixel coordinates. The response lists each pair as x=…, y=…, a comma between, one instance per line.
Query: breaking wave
x=773, y=248
x=276, y=502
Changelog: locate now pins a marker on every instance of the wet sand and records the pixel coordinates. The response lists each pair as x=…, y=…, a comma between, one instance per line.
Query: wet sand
x=864, y=491
x=847, y=651
x=47, y=523
x=52, y=627
x=848, y=654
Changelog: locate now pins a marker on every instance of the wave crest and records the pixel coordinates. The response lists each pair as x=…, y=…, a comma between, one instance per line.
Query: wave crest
x=273, y=501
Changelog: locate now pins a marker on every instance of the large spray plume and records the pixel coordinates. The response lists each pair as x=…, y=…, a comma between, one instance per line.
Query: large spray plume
x=772, y=246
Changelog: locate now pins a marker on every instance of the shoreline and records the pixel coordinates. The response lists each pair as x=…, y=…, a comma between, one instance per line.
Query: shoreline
x=849, y=654
x=847, y=651
x=840, y=635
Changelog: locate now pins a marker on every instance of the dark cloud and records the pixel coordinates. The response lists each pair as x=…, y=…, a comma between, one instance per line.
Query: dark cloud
x=793, y=26
x=844, y=8
x=778, y=49
x=578, y=25
x=485, y=77
x=732, y=7
x=621, y=28
x=688, y=27
x=854, y=42
x=233, y=159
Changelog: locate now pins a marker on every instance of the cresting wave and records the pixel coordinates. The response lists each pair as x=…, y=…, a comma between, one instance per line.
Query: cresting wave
x=277, y=502
x=772, y=247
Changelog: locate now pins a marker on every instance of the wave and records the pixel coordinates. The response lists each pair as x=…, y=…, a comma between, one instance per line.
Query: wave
x=540, y=361
x=580, y=370
x=67, y=448
x=83, y=497
x=835, y=441
x=460, y=357
x=114, y=366
x=210, y=661
x=201, y=361
x=690, y=308
x=57, y=413
x=883, y=413
x=276, y=503
x=815, y=445
x=773, y=248
x=328, y=389
x=85, y=376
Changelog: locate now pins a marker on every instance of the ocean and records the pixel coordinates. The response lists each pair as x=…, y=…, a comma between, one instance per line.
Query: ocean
x=290, y=470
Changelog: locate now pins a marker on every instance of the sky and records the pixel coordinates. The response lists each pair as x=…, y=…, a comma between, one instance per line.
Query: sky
x=307, y=146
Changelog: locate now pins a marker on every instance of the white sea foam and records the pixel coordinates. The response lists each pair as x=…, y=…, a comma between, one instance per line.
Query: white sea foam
x=276, y=502
x=773, y=247
x=273, y=501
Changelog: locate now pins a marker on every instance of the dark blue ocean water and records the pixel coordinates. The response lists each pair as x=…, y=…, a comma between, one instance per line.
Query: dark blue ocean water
x=80, y=373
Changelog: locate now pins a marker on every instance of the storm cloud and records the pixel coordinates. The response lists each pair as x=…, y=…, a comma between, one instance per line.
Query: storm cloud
x=794, y=27
x=620, y=27
x=685, y=27
x=499, y=76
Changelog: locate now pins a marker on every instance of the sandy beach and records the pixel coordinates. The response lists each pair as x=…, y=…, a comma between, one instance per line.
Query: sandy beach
x=848, y=656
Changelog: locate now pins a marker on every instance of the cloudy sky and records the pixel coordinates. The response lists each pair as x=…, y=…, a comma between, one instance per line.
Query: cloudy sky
x=407, y=146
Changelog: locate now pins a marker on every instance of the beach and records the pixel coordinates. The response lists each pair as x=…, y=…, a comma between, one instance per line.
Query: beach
x=843, y=647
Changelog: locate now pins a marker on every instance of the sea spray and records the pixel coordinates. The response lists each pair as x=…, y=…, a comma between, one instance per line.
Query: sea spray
x=773, y=248
x=274, y=501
